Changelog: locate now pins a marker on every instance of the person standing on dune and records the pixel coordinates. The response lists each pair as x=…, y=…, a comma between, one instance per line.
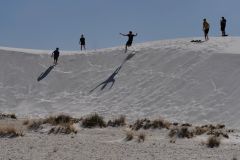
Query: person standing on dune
x=82, y=42
x=206, y=27
x=130, y=39
x=223, y=23
x=55, y=55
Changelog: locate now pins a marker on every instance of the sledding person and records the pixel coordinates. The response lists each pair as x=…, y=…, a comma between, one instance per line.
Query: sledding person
x=223, y=22
x=130, y=39
x=82, y=42
x=55, y=55
x=206, y=27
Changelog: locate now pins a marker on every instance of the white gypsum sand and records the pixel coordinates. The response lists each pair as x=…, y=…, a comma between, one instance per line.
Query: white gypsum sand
x=175, y=79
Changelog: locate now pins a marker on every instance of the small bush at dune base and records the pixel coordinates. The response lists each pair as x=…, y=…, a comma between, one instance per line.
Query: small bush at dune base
x=10, y=132
x=34, y=125
x=59, y=120
x=180, y=132
x=213, y=141
x=129, y=135
x=148, y=124
x=141, y=137
x=4, y=115
x=120, y=121
x=93, y=120
x=26, y=122
x=63, y=129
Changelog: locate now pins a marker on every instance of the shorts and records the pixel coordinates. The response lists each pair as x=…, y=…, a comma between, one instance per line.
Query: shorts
x=129, y=43
x=223, y=28
x=55, y=57
x=206, y=31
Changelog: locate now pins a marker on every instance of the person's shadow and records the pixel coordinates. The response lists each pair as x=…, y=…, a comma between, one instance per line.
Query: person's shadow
x=45, y=73
x=111, y=78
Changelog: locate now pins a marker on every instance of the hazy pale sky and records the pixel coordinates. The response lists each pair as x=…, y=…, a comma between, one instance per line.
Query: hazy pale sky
x=47, y=24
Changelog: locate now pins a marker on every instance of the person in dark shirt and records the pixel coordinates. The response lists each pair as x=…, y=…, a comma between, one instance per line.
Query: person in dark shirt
x=130, y=39
x=55, y=55
x=223, y=26
x=82, y=42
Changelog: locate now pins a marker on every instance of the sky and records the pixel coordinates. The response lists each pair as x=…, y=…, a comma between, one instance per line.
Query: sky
x=47, y=24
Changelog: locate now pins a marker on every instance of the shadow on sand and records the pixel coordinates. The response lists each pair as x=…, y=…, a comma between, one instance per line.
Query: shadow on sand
x=45, y=73
x=111, y=78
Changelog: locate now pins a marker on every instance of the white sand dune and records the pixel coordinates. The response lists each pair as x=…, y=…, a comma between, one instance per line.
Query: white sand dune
x=174, y=79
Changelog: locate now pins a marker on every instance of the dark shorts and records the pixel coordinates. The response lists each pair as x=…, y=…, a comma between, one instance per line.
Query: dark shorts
x=206, y=31
x=55, y=57
x=223, y=28
x=82, y=43
x=129, y=43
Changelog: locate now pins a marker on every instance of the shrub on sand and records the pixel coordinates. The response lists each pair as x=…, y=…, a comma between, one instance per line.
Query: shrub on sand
x=147, y=124
x=62, y=124
x=141, y=137
x=213, y=141
x=26, y=122
x=34, y=125
x=9, y=132
x=173, y=133
x=63, y=129
x=120, y=121
x=58, y=120
x=93, y=120
x=184, y=133
x=138, y=124
x=200, y=130
x=160, y=123
x=129, y=135
x=11, y=115
x=180, y=132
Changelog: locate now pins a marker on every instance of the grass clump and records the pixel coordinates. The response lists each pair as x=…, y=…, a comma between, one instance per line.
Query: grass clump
x=9, y=132
x=141, y=137
x=93, y=120
x=59, y=120
x=62, y=124
x=180, y=132
x=129, y=135
x=63, y=129
x=26, y=122
x=120, y=121
x=34, y=125
x=200, y=130
x=148, y=124
x=184, y=132
x=160, y=123
x=5, y=115
x=213, y=141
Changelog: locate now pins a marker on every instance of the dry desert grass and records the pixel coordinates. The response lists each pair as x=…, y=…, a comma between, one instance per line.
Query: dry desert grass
x=93, y=120
x=9, y=132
